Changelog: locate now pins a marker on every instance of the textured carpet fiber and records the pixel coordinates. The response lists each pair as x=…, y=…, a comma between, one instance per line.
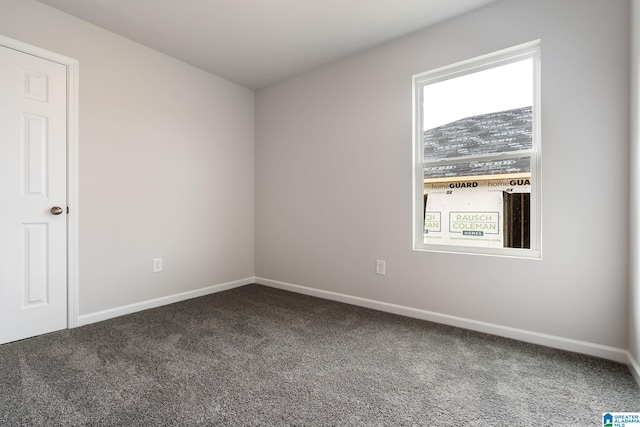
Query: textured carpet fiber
x=260, y=356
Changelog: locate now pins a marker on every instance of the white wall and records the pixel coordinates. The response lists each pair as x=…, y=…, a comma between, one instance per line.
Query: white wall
x=167, y=170
x=166, y=164
x=634, y=300
x=333, y=158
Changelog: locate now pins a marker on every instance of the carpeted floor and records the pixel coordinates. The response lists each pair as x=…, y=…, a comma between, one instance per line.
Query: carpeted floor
x=261, y=356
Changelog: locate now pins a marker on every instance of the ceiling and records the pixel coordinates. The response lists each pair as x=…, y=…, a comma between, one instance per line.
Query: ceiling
x=258, y=42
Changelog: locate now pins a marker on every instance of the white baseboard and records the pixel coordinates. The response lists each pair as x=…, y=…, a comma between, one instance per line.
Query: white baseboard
x=605, y=352
x=634, y=367
x=99, y=316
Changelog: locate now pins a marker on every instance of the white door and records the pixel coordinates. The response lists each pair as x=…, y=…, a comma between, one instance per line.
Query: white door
x=33, y=236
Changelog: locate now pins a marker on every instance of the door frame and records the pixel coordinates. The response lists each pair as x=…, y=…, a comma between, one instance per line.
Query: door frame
x=72, y=166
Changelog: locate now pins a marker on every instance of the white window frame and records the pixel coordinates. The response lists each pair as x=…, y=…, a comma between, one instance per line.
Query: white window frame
x=502, y=57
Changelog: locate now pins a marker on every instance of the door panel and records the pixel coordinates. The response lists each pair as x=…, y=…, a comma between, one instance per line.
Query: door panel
x=33, y=259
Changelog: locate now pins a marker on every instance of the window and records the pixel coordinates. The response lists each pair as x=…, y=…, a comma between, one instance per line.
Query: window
x=477, y=155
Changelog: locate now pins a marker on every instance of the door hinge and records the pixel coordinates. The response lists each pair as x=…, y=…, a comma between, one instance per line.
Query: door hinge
x=67, y=210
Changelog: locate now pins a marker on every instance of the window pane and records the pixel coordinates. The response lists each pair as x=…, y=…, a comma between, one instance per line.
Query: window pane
x=485, y=112
x=489, y=213
x=476, y=153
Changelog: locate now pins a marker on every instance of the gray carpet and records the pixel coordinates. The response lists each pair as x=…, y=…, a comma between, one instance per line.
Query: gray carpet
x=260, y=356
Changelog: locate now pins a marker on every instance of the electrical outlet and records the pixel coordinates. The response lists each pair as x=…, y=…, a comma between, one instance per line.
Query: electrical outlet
x=380, y=267
x=157, y=265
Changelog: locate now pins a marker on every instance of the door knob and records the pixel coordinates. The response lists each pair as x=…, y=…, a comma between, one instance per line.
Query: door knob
x=56, y=210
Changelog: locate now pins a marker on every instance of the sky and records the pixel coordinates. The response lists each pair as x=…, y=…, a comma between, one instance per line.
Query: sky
x=497, y=89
